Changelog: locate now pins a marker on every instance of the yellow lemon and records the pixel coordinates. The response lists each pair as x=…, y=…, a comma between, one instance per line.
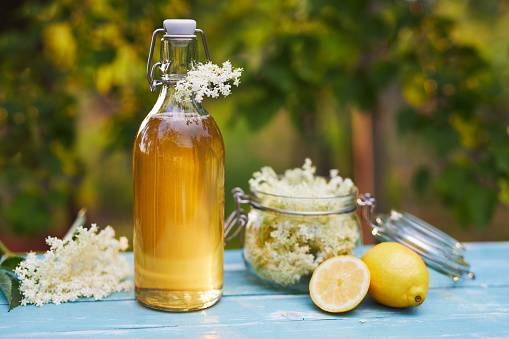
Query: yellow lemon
x=399, y=277
x=339, y=284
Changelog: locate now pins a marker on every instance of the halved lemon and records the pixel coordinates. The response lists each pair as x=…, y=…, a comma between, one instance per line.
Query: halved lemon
x=339, y=284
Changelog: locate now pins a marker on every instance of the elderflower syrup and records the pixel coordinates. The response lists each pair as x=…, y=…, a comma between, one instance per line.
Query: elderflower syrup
x=178, y=169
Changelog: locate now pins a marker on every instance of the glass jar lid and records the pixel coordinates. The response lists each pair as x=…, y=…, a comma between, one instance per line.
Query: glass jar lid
x=439, y=250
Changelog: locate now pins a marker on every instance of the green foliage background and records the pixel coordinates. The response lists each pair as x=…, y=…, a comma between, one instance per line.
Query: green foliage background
x=73, y=92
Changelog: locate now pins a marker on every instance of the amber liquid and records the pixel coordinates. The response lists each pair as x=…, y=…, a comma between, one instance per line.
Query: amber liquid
x=178, y=165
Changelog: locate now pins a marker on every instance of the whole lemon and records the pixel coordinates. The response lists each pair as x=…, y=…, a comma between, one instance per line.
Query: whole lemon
x=399, y=277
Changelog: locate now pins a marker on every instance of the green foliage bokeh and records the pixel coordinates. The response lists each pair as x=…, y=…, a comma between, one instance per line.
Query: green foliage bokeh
x=298, y=56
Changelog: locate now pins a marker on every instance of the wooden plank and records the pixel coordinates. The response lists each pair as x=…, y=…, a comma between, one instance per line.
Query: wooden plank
x=447, y=312
x=248, y=309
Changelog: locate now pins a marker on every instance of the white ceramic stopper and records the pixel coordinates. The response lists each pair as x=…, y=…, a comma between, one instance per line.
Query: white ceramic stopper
x=179, y=26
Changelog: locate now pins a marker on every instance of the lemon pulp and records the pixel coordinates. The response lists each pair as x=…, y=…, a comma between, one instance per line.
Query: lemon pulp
x=339, y=284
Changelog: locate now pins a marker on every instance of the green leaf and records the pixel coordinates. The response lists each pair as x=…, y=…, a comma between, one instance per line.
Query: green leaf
x=503, y=194
x=421, y=179
x=9, y=286
x=10, y=263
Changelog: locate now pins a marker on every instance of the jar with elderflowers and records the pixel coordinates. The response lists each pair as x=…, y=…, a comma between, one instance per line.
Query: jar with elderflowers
x=296, y=221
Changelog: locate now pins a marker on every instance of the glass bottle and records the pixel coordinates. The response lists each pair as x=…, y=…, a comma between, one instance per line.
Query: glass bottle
x=178, y=170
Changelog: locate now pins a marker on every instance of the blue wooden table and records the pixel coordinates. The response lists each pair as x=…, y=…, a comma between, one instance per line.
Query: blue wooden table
x=477, y=308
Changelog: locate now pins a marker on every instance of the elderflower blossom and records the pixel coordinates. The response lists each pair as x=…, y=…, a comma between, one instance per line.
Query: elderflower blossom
x=301, y=182
x=207, y=80
x=285, y=249
x=88, y=265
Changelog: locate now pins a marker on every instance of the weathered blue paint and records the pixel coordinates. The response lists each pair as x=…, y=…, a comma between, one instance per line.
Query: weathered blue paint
x=477, y=308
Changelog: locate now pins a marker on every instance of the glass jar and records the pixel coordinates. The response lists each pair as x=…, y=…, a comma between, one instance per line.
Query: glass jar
x=287, y=237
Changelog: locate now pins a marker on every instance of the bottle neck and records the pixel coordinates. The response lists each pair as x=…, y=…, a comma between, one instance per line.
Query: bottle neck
x=177, y=57
x=166, y=103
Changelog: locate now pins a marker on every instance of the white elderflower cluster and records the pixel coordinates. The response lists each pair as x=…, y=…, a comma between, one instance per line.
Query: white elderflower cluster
x=301, y=182
x=286, y=248
x=207, y=80
x=88, y=265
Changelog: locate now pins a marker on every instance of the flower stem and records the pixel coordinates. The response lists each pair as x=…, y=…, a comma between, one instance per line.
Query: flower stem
x=79, y=221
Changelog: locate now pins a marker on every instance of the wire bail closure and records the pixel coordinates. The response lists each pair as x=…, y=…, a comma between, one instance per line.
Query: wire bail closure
x=367, y=203
x=238, y=219
x=151, y=68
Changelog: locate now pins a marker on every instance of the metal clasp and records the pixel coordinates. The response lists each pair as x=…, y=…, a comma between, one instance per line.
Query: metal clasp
x=204, y=42
x=237, y=220
x=151, y=68
x=367, y=203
